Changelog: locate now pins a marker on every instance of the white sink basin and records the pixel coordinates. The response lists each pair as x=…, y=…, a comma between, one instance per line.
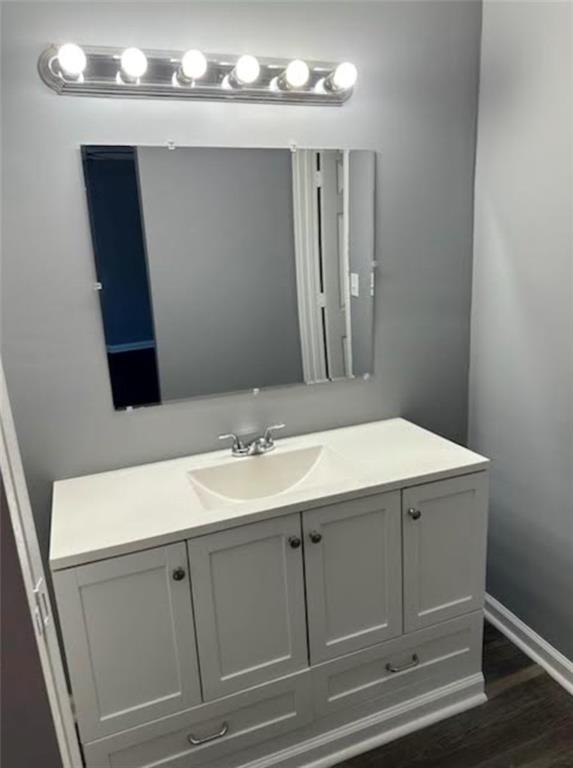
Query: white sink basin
x=258, y=477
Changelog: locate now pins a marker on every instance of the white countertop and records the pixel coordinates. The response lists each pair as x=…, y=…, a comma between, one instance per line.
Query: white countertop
x=113, y=513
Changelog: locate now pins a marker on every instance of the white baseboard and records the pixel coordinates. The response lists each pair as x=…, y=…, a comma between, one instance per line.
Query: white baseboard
x=334, y=746
x=555, y=663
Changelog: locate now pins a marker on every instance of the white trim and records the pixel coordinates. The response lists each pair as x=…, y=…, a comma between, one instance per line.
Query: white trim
x=35, y=584
x=553, y=661
x=346, y=260
x=310, y=299
x=331, y=748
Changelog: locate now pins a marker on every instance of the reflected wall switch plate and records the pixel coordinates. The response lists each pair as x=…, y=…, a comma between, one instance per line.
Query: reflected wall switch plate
x=354, y=284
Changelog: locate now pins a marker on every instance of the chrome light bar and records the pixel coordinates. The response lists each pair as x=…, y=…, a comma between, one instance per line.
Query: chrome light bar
x=72, y=70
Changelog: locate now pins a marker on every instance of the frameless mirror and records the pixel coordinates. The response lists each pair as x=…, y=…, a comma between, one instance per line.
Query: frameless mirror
x=225, y=269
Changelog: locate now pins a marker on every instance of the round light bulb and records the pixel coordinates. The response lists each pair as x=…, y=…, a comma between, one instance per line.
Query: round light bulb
x=247, y=69
x=297, y=73
x=72, y=59
x=193, y=65
x=134, y=63
x=344, y=76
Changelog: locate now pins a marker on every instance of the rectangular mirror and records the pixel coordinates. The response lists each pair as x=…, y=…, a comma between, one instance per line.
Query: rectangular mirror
x=227, y=269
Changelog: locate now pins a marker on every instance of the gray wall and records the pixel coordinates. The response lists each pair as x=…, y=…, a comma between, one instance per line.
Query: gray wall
x=415, y=104
x=521, y=396
x=220, y=250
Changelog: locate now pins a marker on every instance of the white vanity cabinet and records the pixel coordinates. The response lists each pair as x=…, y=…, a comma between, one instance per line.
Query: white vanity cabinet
x=280, y=637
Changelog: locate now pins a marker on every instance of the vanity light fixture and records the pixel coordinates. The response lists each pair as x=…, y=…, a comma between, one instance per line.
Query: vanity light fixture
x=132, y=72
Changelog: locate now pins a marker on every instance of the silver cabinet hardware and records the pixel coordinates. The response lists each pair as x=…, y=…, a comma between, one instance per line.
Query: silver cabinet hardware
x=219, y=735
x=178, y=574
x=415, y=514
x=294, y=541
x=410, y=665
x=315, y=537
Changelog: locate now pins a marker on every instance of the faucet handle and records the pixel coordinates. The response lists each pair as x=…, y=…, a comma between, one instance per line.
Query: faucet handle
x=237, y=442
x=268, y=435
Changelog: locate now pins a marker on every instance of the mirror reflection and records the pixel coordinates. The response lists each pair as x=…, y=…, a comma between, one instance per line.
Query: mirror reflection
x=225, y=269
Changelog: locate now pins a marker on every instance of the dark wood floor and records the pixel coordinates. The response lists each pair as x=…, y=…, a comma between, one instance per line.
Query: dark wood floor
x=526, y=723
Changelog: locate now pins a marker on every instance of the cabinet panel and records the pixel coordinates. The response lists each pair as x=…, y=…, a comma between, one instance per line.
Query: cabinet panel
x=130, y=639
x=444, y=533
x=233, y=723
x=249, y=604
x=353, y=573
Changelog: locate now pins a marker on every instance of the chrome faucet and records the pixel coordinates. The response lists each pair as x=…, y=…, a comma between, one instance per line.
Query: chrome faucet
x=255, y=447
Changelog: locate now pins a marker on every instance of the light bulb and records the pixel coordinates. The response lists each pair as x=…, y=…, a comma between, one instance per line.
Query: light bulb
x=72, y=59
x=134, y=63
x=344, y=76
x=297, y=73
x=193, y=65
x=247, y=70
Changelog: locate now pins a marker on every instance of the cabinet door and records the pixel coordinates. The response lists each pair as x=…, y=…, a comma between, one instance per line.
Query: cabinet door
x=444, y=530
x=354, y=574
x=249, y=604
x=129, y=639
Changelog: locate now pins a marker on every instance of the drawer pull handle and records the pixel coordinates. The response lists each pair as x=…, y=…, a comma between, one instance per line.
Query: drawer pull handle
x=219, y=735
x=410, y=665
x=294, y=541
x=315, y=537
x=415, y=514
x=178, y=574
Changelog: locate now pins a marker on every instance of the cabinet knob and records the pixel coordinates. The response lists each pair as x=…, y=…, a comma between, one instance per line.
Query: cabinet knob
x=415, y=514
x=294, y=541
x=315, y=537
x=178, y=574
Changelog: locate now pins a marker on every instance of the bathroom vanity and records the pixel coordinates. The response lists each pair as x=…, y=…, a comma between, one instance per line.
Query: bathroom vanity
x=275, y=610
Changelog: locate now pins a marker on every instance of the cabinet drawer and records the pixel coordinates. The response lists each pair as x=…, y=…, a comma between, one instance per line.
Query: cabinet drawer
x=402, y=668
x=224, y=726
